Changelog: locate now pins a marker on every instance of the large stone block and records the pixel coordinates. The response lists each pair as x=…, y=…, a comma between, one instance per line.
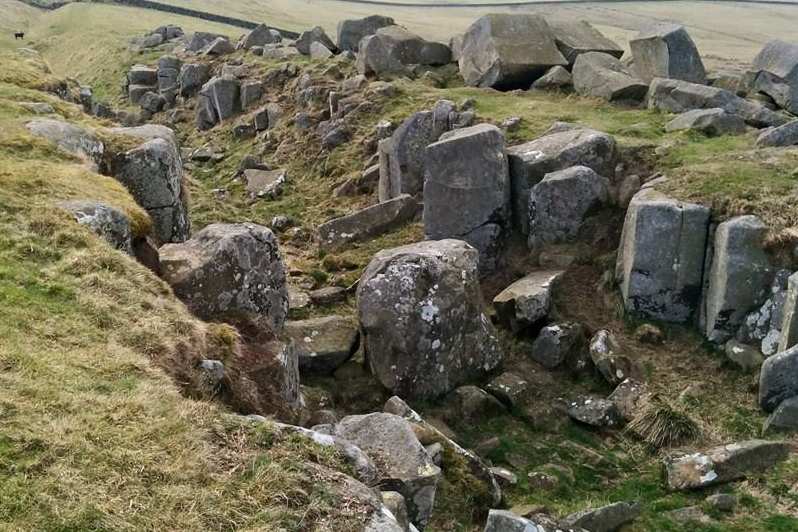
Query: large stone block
x=603, y=76
x=508, y=51
x=775, y=72
x=665, y=50
x=530, y=162
x=467, y=188
x=661, y=257
x=420, y=309
x=351, y=32
x=739, y=276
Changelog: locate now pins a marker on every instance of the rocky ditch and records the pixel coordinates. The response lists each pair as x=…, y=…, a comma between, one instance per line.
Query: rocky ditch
x=421, y=328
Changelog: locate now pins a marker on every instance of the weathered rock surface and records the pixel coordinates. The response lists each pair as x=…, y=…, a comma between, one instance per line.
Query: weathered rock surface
x=507, y=51
x=392, y=49
x=70, y=138
x=560, y=344
x=506, y=521
x=527, y=301
x=676, y=96
x=316, y=34
x=471, y=403
x=351, y=32
x=605, y=519
x=468, y=168
x=260, y=36
x=201, y=40
x=105, y=221
x=784, y=418
x=576, y=37
x=230, y=271
x=509, y=388
x=778, y=379
x=431, y=435
x=596, y=412
x=368, y=223
x=219, y=99
x=556, y=78
x=788, y=336
x=605, y=352
x=661, y=258
x=530, y=162
x=763, y=326
x=775, y=72
x=560, y=204
x=665, y=50
x=264, y=183
x=323, y=344
x=403, y=463
x=786, y=135
x=153, y=173
x=192, y=77
x=745, y=357
x=629, y=397
x=710, y=122
x=604, y=76
x=402, y=156
x=739, y=277
x=219, y=46
x=723, y=464
x=420, y=311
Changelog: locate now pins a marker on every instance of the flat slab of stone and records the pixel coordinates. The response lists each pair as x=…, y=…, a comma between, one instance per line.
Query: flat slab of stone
x=323, y=344
x=711, y=122
x=527, y=301
x=265, y=183
x=723, y=464
x=368, y=223
x=605, y=519
x=786, y=135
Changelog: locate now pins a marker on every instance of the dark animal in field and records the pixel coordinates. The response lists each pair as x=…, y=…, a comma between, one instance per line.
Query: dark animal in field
x=19, y=35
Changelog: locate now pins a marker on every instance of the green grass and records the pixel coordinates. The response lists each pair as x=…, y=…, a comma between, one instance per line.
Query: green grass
x=94, y=432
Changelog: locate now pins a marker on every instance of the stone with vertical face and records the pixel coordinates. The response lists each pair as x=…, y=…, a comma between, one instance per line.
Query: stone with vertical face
x=467, y=188
x=661, y=257
x=665, y=50
x=739, y=276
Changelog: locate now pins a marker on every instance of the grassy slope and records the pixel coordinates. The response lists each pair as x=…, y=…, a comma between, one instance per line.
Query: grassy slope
x=93, y=433
x=16, y=17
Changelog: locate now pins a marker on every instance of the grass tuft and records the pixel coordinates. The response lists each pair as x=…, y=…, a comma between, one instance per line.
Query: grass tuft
x=661, y=425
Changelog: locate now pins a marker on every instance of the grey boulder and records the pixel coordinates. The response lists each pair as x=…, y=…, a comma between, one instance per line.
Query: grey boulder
x=596, y=412
x=402, y=155
x=527, y=301
x=661, y=257
x=467, y=189
x=70, y=138
x=556, y=78
x=784, y=418
x=722, y=464
x=192, y=77
x=786, y=135
x=231, y=272
x=153, y=173
x=562, y=343
x=788, y=336
x=351, y=32
x=403, y=463
x=739, y=277
x=420, y=310
x=775, y=72
x=392, y=49
x=201, y=40
x=665, y=50
x=507, y=51
x=676, y=96
x=711, y=122
x=604, y=76
x=778, y=379
x=105, y=221
x=531, y=161
x=561, y=202
x=219, y=99
x=576, y=37
x=323, y=344
x=260, y=36
x=316, y=34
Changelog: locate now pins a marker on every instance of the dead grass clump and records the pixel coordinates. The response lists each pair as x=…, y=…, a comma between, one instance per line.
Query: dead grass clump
x=661, y=425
